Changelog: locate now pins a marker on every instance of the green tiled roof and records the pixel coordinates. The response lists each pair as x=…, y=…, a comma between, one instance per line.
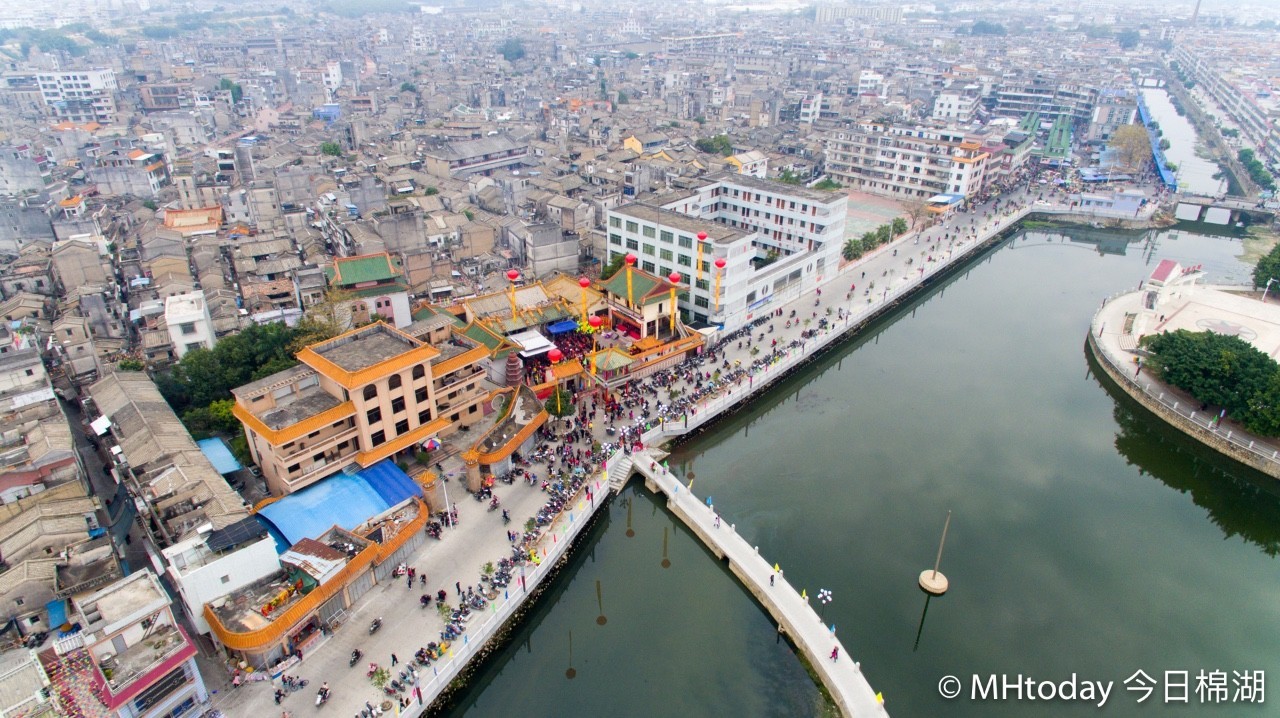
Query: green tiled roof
x=485, y=337
x=426, y=312
x=358, y=270
x=378, y=290
x=645, y=288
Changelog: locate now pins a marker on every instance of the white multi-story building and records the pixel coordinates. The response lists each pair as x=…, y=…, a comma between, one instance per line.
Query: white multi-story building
x=906, y=162
x=776, y=241
x=957, y=106
x=189, y=322
x=80, y=95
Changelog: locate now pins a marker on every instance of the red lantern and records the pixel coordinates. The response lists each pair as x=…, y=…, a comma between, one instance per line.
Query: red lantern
x=513, y=274
x=595, y=322
x=702, y=236
x=555, y=355
x=630, y=259
x=720, y=263
x=674, y=277
x=584, y=282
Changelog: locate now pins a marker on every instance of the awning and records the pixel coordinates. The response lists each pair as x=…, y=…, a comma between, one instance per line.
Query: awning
x=532, y=343
x=563, y=326
x=100, y=425
x=57, y=613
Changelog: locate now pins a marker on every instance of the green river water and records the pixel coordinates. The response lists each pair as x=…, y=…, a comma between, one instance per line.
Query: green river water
x=1086, y=538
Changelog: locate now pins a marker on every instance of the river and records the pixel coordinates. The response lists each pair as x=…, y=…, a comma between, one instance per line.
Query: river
x=1195, y=174
x=1087, y=538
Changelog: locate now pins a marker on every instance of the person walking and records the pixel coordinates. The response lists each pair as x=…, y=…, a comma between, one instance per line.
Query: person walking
x=835, y=653
x=395, y=660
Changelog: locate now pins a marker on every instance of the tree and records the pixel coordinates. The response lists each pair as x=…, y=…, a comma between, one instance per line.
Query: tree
x=560, y=403
x=130, y=364
x=1268, y=268
x=237, y=91
x=852, y=249
x=718, y=145
x=869, y=241
x=431, y=191
x=611, y=267
x=828, y=184
x=982, y=27
x=323, y=320
x=408, y=87
x=898, y=226
x=511, y=50
x=1128, y=39
x=333, y=149
x=623, y=98
x=1132, y=146
x=789, y=177
x=884, y=234
x=1222, y=370
x=917, y=209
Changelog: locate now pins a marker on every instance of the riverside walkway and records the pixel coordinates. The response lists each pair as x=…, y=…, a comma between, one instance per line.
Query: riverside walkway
x=843, y=677
x=896, y=271
x=1115, y=347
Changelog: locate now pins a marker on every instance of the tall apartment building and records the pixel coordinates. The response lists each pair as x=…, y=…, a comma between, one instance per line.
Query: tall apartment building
x=370, y=394
x=906, y=162
x=80, y=95
x=1114, y=109
x=824, y=14
x=776, y=240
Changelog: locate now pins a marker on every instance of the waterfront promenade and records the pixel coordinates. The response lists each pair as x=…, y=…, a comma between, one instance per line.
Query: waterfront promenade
x=883, y=279
x=843, y=677
x=1115, y=348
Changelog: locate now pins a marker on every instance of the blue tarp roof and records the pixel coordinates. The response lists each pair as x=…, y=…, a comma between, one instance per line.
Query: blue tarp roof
x=346, y=500
x=216, y=451
x=57, y=612
x=563, y=326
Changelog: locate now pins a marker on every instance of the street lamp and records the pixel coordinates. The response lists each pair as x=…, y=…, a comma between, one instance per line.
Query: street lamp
x=1264, y=292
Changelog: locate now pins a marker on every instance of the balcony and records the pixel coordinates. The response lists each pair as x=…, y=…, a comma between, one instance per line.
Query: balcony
x=159, y=647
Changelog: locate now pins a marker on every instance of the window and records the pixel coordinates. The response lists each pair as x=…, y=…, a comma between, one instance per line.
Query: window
x=225, y=579
x=633, y=244
x=370, y=392
x=379, y=438
x=19, y=601
x=686, y=242
x=394, y=382
x=665, y=255
x=34, y=620
x=633, y=227
x=424, y=416
x=187, y=328
x=648, y=267
x=666, y=236
x=648, y=249
x=615, y=222
x=615, y=239
x=397, y=405
x=420, y=395
x=374, y=415
x=294, y=469
x=419, y=372
x=402, y=427
x=648, y=231
x=701, y=301
x=703, y=284
x=684, y=260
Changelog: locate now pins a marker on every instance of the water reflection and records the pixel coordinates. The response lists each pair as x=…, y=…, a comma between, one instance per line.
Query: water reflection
x=1241, y=502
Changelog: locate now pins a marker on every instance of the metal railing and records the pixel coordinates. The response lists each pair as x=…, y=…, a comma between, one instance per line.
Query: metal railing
x=1202, y=423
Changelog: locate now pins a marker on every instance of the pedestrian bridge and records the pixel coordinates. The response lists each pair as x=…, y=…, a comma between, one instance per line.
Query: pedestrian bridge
x=842, y=678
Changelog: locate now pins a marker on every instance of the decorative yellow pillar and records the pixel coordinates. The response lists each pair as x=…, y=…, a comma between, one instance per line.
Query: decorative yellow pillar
x=432, y=490
x=471, y=458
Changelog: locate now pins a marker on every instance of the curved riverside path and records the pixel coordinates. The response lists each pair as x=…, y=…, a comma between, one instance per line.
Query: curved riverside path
x=1113, y=347
x=842, y=677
